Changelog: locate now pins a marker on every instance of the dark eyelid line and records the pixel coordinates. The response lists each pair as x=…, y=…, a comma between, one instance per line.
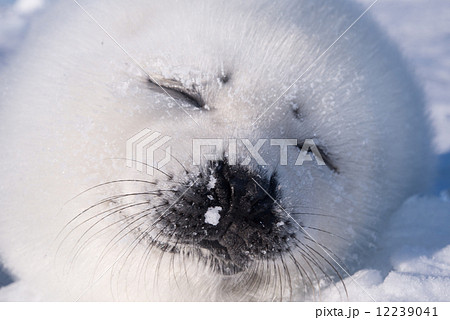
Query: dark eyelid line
x=190, y=95
x=325, y=157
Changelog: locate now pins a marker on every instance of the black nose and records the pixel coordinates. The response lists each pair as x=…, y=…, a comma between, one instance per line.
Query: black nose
x=231, y=212
x=246, y=197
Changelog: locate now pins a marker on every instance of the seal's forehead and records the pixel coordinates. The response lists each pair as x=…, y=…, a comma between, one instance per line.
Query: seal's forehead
x=205, y=32
x=260, y=37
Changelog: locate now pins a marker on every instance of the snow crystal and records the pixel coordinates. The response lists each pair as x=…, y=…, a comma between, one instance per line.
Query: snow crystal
x=212, y=216
x=212, y=182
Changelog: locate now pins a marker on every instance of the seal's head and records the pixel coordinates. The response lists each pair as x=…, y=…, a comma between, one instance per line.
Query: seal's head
x=223, y=150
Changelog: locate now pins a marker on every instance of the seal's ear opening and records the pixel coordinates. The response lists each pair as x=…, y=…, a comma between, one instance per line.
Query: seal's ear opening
x=5, y=277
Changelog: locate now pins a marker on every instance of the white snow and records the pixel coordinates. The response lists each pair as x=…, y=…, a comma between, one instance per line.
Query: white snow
x=212, y=215
x=212, y=182
x=413, y=260
x=28, y=6
x=422, y=30
x=14, y=17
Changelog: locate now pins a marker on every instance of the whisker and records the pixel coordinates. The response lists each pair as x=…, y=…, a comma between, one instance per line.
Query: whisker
x=333, y=267
x=169, y=176
x=327, y=232
x=112, y=212
x=302, y=271
x=124, y=219
x=108, y=183
x=109, y=199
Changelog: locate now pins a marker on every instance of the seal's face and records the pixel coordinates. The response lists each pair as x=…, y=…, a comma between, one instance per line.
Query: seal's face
x=250, y=83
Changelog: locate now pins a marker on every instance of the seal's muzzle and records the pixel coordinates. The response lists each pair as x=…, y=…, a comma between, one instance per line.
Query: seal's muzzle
x=250, y=225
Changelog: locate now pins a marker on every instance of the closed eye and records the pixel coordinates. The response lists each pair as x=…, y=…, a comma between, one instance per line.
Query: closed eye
x=325, y=157
x=176, y=90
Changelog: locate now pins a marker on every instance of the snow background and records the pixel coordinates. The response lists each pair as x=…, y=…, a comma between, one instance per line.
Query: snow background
x=414, y=264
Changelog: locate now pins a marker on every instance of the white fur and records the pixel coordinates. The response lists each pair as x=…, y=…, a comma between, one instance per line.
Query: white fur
x=71, y=98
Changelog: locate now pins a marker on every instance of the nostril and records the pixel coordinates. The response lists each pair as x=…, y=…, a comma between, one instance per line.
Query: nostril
x=248, y=197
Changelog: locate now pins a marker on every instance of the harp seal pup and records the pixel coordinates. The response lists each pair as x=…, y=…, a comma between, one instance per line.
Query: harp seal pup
x=78, y=224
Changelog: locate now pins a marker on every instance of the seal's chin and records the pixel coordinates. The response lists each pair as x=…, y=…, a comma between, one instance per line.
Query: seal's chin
x=224, y=263
x=210, y=252
x=228, y=217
